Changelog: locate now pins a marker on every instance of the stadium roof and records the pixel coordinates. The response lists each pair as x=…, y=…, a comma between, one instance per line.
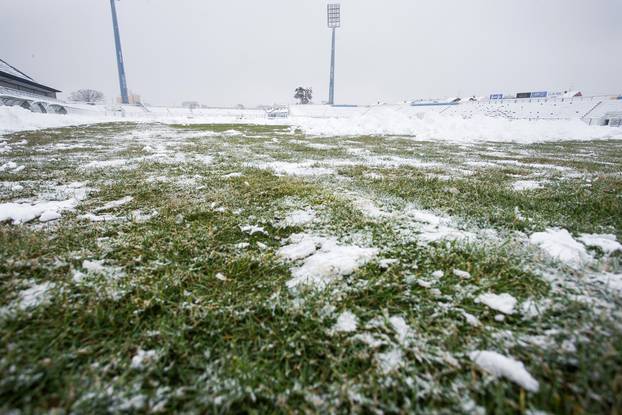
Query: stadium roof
x=17, y=75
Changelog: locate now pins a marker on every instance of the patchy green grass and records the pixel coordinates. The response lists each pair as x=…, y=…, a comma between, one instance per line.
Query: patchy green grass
x=209, y=298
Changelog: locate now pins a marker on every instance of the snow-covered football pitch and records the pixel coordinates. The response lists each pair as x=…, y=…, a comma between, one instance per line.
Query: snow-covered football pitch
x=255, y=269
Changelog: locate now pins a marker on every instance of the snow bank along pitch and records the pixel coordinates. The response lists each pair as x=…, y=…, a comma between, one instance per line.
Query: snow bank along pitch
x=391, y=120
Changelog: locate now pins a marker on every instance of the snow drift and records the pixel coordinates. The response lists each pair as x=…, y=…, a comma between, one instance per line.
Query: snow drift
x=434, y=126
x=389, y=120
x=13, y=119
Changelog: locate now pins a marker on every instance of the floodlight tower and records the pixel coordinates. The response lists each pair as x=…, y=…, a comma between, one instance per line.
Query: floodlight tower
x=334, y=21
x=121, y=66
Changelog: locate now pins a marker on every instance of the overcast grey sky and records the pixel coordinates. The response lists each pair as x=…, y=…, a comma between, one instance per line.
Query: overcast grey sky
x=258, y=51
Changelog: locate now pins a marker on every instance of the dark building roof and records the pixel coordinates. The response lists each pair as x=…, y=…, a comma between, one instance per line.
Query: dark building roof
x=15, y=74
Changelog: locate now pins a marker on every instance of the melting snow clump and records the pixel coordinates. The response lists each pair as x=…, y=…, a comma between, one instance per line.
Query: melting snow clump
x=607, y=243
x=401, y=328
x=143, y=358
x=390, y=361
x=502, y=366
x=323, y=266
x=346, y=323
x=471, y=319
x=560, y=245
x=253, y=229
x=461, y=274
x=504, y=303
x=20, y=213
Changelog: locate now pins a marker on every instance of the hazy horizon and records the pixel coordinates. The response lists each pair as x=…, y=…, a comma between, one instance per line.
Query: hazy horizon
x=250, y=53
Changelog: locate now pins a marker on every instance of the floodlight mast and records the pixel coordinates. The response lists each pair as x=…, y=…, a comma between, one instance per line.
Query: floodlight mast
x=334, y=21
x=120, y=65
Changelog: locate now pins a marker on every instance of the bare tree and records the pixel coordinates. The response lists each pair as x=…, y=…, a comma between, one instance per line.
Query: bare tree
x=304, y=95
x=87, y=95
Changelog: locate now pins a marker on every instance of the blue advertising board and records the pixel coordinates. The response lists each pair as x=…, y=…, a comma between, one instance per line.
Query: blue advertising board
x=541, y=94
x=496, y=96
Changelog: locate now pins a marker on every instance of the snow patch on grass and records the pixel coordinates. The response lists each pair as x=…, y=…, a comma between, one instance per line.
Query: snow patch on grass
x=560, y=245
x=285, y=168
x=429, y=227
x=298, y=218
x=20, y=213
x=327, y=264
x=97, y=267
x=369, y=208
x=521, y=185
x=106, y=164
x=301, y=246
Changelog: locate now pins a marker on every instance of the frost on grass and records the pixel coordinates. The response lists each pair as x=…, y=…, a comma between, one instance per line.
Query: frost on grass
x=429, y=227
x=502, y=366
x=105, y=164
x=521, y=185
x=369, y=208
x=115, y=204
x=95, y=267
x=99, y=218
x=610, y=281
x=139, y=216
x=531, y=308
x=143, y=358
x=401, y=328
x=11, y=167
x=253, y=229
x=30, y=298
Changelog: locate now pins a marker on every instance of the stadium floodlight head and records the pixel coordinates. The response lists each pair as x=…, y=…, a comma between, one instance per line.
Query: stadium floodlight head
x=334, y=16
x=334, y=21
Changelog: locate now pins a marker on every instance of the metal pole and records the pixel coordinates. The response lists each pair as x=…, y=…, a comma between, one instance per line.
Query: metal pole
x=331, y=91
x=121, y=66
